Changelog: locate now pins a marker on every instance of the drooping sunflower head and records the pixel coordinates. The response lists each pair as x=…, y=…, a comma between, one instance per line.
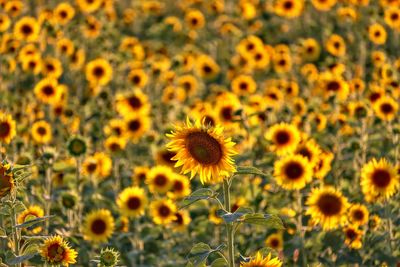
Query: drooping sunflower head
x=56, y=251
x=379, y=180
x=260, y=261
x=358, y=214
x=98, y=226
x=293, y=172
x=284, y=137
x=7, y=183
x=132, y=201
x=202, y=150
x=327, y=207
x=163, y=211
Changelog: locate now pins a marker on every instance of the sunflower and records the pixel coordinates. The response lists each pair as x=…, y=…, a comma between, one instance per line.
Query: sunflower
x=115, y=127
x=292, y=172
x=323, y=5
x=52, y=67
x=180, y=187
x=243, y=85
x=164, y=157
x=90, y=166
x=202, y=149
x=5, y=22
x=41, y=132
x=226, y=106
x=31, y=213
x=163, y=211
x=289, y=8
x=333, y=85
x=327, y=207
x=310, y=150
x=99, y=72
x=132, y=201
x=335, y=45
x=189, y=83
x=115, y=144
x=63, y=13
x=392, y=17
x=140, y=174
x=260, y=261
x=98, y=226
x=7, y=183
x=32, y=64
x=134, y=102
x=353, y=236
x=323, y=165
x=181, y=221
x=56, y=251
x=282, y=63
x=386, y=108
x=47, y=91
x=159, y=179
x=379, y=179
x=7, y=128
x=377, y=34
x=358, y=214
x=104, y=162
x=213, y=216
x=284, y=138
x=310, y=49
x=194, y=19
x=89, y=6
x=275, y=241
x=27, y=29
x=136, y=126
x=65, y=47
x=206, y=67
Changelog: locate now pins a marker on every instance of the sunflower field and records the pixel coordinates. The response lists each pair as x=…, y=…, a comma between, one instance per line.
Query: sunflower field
x=237, y=133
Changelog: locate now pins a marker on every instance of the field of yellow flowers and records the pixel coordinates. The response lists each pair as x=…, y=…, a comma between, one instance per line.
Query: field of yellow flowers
x=238, y=133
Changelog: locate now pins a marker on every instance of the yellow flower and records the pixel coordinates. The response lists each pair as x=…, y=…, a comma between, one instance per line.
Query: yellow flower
x=327, y=207
x=7, y=183
x=358, y=214
x=386, y=108
x=31, y=213
x=136, y=126
x=202, y=150
x=336, y=46
x=194, y=19
x=292, y=172
x=284, y=137
x=163, y=211
x=289, y=8
x=63, y=13
x=41, y=132
x=260, y=261
x=377, y=34
x=159, y=179
x=47, y=91
x=98, y=226
x=99, y=72
x=132, y=201
x=181, y=221
x=7, y=128
x=379, y=180
x=89, y=6
x=353, y=236
x=56, y=251
x=180, y=187
x=275, y=241
x=134, y=102
x=26, y=29
x=244, y=85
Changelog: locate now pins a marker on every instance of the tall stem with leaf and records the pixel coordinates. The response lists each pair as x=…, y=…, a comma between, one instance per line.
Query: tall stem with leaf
x=229, y=226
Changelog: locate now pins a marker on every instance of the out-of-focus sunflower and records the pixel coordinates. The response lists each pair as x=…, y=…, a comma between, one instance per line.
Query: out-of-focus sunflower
x=386, y=108
x=115, y=144
x=41, y=132
x=202, y=149
x=243, y=85
x=353, y=236
x=31, y=213
x=292, y=172
x=132, y=201
x=99, y=72
x=136, y=126
x=310, y=150
x=163, y=211
x=63, y=13
x=90, y=166
x=181, y=221
x=327, y=207
x=379, y=180
x=5, y=22
x=138, y=77
x=194, y=19
x=335, y=45
x=358, y=214
x=260, y=261
x=284, y=138
x=27, y=29
x=104, y=162
x=98, y=226
x=377, y=34
x=52, y=67
x=134, y=102
x=7, y=183
x=180, y=187
x=323, y=165
x=159, y=179
x=47, y=91
x=7, y=128
x=275, y=241
x=206, y=67
x=323, y=5
x=56, y=251
x=89, y=6
x=289, y=8
x=140, y=174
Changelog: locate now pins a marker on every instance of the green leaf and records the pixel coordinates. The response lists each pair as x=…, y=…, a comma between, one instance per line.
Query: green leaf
x=233, y=217
x=33, y=222
x=269, y=220
x=220, y=262
x=203, y=193
x=249, y=170
x=199, y=254
x=20, y=259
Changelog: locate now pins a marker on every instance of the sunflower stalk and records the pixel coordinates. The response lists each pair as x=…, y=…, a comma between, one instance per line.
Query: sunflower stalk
x=15, y=230
x=229, y=226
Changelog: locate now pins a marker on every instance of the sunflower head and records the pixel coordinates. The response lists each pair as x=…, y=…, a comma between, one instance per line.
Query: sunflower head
x=202, y=150
x=262, y=261
x=132, y=201
x=358, y=214
x=293, y=172
x=284, y=138
x=163, y=211
x=56, y=251
x=7, y=183
x=109, y=257
x=98, y=226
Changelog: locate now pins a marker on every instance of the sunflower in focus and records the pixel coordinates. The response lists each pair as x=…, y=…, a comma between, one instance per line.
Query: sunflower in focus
x=7, y=128
x=379, y=180
x=163, y=211
x=56, y=251
x=99, y=72
x=260, y=261
x=327, y=207
x=132, y=201
x=98, y=226
x=202, y=150
x=284, y=137
x=292, y=172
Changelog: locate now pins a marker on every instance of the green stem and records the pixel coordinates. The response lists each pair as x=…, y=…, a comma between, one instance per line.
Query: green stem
x=229, y=226
x=15, y=231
